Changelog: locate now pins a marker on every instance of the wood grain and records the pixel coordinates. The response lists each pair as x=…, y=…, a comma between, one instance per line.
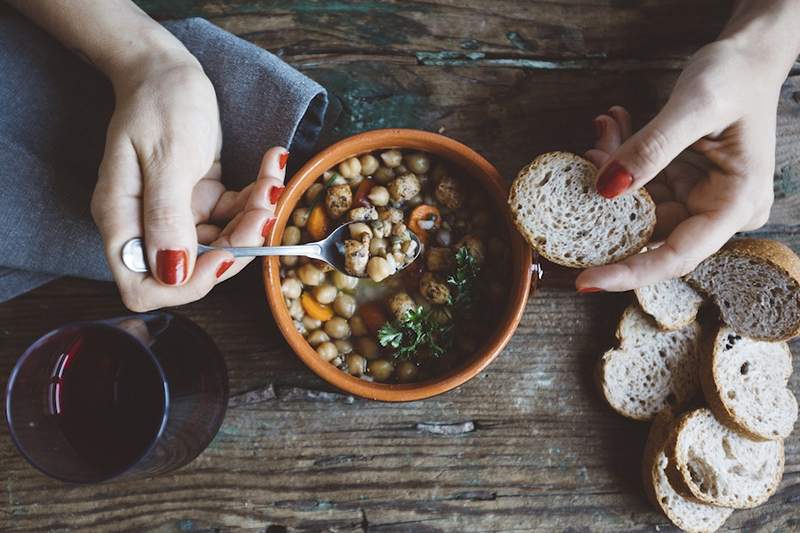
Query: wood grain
x=528, y=444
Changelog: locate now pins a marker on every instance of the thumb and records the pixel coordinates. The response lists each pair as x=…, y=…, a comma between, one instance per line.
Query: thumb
x=639, y=159
x=169, y=229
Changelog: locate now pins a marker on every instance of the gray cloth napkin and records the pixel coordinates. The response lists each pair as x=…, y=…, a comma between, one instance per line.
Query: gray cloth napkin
x=55, y=113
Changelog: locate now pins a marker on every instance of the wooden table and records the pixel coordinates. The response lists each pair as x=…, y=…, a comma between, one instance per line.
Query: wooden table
x=528, y=444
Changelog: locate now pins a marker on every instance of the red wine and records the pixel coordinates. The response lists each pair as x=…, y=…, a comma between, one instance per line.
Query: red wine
x=108, y=398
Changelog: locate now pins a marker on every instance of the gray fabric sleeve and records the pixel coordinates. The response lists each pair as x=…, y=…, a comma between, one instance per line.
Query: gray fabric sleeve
x=52, y=133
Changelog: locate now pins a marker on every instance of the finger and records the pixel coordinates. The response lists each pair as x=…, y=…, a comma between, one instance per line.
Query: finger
x=668, y=216
x=597, y=157
x=207, y=233
x=609, y=136
x=205, y=197
x=623, y=119
x=273, y=170
x=229, y=204
x=639, y=159
x=692, y=241
x=249, y=230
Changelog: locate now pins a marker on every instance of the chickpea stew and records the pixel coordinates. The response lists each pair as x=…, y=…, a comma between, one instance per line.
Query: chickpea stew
x=417, y=324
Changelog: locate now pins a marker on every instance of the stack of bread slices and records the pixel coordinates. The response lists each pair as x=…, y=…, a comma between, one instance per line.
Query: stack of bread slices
x=726, y=452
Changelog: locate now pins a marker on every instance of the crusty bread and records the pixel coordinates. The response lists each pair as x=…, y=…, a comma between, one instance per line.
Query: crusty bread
x=719, y=466
x=756, y=285
x=685, y=513
x=557, y=209
x=652, y=369
x=745, y=383
x=672, y=303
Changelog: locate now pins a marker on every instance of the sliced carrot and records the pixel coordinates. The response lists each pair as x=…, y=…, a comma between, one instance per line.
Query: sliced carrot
x=317, y=224
x=424, y=213
x=314, y=309
x=363, y=190
x=373, y=316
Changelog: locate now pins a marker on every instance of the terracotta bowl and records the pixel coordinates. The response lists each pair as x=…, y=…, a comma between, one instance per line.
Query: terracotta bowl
x=477, y=168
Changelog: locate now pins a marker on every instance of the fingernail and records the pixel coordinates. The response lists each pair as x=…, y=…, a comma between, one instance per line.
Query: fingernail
x=587, y=290
x=172, y=266
x=283, y=159
x=614, y=180
x=224, y=267
x=275, y=193
x=268, y=227
x=599, y=127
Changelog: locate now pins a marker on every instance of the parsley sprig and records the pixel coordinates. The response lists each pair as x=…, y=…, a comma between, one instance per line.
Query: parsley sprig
x=462, y=281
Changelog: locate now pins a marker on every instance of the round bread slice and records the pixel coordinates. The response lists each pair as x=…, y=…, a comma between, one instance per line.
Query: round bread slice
x=719, y=466
x=745, y=383
x=652, y=369
x=557, y=209
x=756, y=285
x=672, y=303
x=685, y=513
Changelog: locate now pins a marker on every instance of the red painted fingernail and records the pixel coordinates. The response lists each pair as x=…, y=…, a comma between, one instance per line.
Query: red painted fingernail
x=586, y=290
x=275, y=193
x=599, y=127
x=223, y=267
x=614, y=180
x=172, y=266
x=283, y=159
x=268, y=227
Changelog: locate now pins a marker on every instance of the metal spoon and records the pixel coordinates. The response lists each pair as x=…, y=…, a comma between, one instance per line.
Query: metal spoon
x=330, y=250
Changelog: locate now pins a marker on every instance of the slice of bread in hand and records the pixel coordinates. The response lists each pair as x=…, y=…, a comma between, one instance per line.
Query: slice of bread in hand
x=745, y=383
x=685, y=513
x=672, y=303
x=756, y=285
x=719, y=466
x=652, y=369
x=557, y=209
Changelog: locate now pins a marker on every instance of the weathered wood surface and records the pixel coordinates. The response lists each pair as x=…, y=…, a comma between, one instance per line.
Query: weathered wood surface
x=527, y=445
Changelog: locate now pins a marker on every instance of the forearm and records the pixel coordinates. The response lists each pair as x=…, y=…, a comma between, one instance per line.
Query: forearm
x=114, y=35
x=769, y=30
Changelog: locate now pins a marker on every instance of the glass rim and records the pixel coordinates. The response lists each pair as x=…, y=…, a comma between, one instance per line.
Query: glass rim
x=103, y=324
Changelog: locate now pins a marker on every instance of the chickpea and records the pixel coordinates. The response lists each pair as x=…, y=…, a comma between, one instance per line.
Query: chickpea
x=399, y=259
x=344, y=305
x=337, y=327
x=378, y=269
x=392, y=158
x=310, y=275
x=418, y=163
x=356, y=181
x=391, y=260
x=383, y=175
x=344, y=347
x=350, y=168
x=361, y=214
x=311, y=323
x=358, y=229
x=356, y=364
x=379, y=195
x=327, y=350
x=338, y=200
x=300, y=215
x=337, y=362
x=439, y=259
x=400, y=230
x=296, y=310
x=367, y=347
x=406, y=371
x=357, y=326
x=380, y=369
x=449, y=193
x=291, y=274
x=291, y=235
x=300, y=327
x=324, y=293
x=317, y=337
x=378, y=246
x=409, y=248
x=404, y=187
x=433, y=290
x=291, y=288
x=400, y=304
x=289, y=261
x=313, y=191
x=369, y=164
x=343, y=282
x=392, y=215
x=381, y=228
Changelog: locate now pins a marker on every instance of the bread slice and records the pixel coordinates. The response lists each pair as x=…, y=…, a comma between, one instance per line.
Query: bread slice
x=685, y=513
x=672, y=303
x=652, y=369
x=557, y=209
x=745, y=383
x=756, y=285
x=719, y=466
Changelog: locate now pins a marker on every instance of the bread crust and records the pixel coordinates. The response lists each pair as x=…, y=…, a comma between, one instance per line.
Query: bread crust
x=713, y=394
x=531, y=239
x=766, y=251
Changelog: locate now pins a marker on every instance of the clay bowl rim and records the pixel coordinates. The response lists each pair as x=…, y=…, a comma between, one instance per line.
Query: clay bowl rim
x=521, y=256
